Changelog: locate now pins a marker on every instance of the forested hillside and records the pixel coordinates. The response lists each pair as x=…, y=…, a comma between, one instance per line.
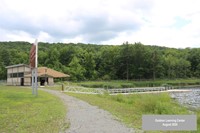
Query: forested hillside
x=104, y=62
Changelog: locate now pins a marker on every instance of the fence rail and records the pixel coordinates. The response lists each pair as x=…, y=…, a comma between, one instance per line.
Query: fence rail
x=132, y=90
x=78, y=89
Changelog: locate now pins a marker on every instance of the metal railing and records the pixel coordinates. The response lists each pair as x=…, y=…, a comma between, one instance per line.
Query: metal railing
x=79, y=89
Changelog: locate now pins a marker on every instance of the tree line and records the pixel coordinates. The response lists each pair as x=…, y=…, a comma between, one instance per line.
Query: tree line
x=106, y=62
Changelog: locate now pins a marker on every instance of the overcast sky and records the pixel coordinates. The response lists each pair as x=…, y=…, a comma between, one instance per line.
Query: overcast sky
x=171, y=23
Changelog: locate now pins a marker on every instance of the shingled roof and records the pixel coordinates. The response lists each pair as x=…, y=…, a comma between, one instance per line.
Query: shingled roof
x=44, y=71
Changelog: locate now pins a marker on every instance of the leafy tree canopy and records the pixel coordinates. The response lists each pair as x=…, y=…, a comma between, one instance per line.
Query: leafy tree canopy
x=106, y=62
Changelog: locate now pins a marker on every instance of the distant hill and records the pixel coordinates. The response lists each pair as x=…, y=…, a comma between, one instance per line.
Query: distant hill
x=106, y=62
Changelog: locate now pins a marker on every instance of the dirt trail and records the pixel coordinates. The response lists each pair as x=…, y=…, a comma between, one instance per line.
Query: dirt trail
x=85, y=118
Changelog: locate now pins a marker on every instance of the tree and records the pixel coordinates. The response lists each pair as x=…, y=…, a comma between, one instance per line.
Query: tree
x=5, y=57
x=156, y=64
x=89, y=64
x=141, y=61
x=53, y=59
x=77, y=71
x=124, y=61
x=67, y=53
x=183, y=68
x=194, y=59
x=106, y=62
x=170, y=63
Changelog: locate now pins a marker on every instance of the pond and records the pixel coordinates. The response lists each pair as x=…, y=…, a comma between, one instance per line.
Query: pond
x=189, y=99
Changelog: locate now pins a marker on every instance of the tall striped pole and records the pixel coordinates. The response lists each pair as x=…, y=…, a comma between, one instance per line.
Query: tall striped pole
x=36, y=68
x=33, y=65
x=32, y=81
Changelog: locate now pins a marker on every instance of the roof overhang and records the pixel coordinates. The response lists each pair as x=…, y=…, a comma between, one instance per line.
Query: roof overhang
x=18, y=65
x=47, y=72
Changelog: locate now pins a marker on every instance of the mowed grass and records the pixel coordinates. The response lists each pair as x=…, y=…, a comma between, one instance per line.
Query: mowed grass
x=21, y=112
x=130, y=108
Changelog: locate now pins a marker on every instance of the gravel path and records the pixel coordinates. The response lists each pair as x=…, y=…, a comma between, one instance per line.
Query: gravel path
x=85, y=118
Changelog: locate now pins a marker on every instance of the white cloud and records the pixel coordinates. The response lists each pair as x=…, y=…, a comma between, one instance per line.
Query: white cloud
x=15, y=36
x=151, y=22
x=45, y=37
x=78, y=39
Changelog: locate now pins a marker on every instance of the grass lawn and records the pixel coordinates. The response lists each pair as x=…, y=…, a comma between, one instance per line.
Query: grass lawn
x=21, y=112
x=130, y=108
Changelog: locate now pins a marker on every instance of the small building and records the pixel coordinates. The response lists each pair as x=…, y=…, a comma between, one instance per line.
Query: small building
x=21, y=75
